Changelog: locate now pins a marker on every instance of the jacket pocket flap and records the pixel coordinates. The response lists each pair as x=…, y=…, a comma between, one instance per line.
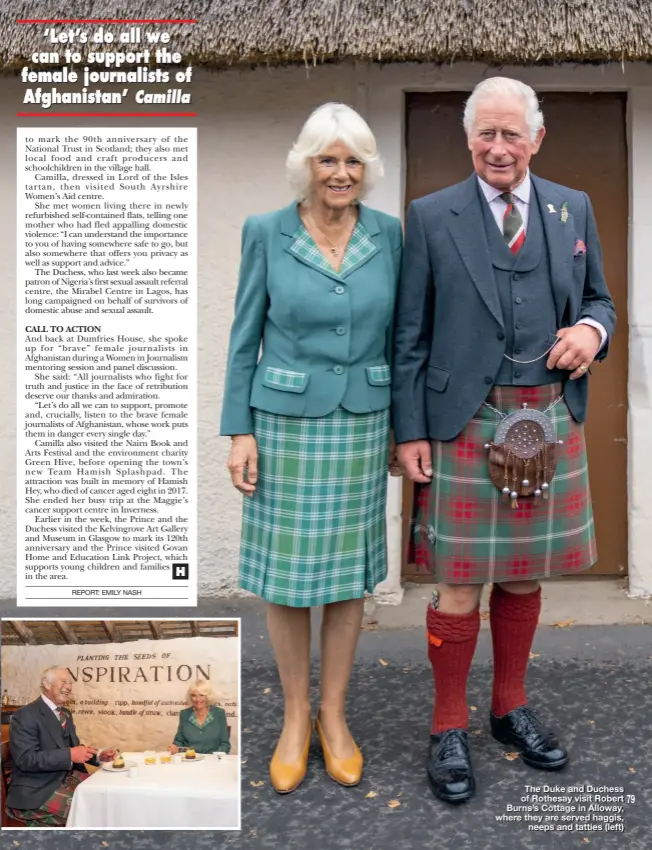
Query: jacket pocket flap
x=285, y=380
x=378, y=376
x=437, y=378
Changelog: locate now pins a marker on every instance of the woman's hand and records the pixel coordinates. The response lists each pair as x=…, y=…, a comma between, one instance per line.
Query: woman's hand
x=395, y=468
x=243, y=456
x=173, y=749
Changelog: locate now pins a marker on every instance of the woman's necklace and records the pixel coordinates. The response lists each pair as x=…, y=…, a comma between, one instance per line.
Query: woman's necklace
x=335, y=247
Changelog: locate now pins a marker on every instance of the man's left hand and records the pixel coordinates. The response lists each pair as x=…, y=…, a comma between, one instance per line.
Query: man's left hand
x=107, y=755
x=575, y=350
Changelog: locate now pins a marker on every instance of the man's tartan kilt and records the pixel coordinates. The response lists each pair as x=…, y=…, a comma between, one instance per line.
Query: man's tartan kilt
x=314, y=531
x=463, y=530
x=55, y=810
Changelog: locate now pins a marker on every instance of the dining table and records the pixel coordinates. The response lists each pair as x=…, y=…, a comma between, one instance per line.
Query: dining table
x=203, y=793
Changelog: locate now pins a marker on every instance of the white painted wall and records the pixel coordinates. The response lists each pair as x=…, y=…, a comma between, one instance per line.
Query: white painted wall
x=640, y=345
x=247, y=121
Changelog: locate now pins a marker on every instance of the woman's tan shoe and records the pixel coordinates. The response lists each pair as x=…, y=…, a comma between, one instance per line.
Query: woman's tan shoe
x=345, y=771
x=286, y=776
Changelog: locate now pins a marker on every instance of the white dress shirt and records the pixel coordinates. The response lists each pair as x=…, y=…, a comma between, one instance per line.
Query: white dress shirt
x=522, y=195
x=51, y=705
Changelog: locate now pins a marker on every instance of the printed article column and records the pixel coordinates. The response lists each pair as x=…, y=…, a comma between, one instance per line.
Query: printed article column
x=107, y=414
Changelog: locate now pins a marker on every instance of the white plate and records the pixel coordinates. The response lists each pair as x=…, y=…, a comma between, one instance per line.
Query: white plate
x=107, y=765
x=198, y=757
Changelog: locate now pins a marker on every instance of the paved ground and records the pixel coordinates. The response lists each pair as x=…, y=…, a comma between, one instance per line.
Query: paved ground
x=594, y=682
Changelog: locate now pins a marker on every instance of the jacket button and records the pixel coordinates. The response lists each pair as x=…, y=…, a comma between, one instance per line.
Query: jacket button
x=517, y=374
x=517, y=277
x=518, y=351
x=488, y=379
x=339, y=290
x=500, y=335
x=338, y=370
x=518, y=300
x=340, y=331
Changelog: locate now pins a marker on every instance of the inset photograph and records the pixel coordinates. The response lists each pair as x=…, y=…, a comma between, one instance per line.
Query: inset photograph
x=121, y=724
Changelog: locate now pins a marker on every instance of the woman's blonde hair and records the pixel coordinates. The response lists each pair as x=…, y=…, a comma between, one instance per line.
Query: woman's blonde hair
x=204, y=687
x=333, y=122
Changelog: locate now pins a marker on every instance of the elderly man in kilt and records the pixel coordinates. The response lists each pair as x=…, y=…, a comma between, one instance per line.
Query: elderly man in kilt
x=502, y=308
x=48, y=760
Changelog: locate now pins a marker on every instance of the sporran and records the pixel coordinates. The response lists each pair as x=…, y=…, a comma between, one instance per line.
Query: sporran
x=522, y=456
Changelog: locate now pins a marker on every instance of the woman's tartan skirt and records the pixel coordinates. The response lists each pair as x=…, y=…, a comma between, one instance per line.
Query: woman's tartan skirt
x=314, y=531
x=463, y=530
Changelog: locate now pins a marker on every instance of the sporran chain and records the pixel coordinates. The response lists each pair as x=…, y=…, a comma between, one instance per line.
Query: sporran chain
x=503, y=415
x=536, y=359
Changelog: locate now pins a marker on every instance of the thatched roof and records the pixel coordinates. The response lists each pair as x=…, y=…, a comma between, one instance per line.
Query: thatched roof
x=232, y=32
x=33, y=632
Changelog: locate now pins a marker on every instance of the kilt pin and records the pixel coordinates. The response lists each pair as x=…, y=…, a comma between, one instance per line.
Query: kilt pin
x=488, y=280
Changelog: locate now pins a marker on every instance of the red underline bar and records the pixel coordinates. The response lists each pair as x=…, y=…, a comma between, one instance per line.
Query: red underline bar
x=104, y=21
x=106, y=114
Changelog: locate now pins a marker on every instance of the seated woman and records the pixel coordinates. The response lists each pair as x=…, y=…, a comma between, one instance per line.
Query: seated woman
x=203, y=725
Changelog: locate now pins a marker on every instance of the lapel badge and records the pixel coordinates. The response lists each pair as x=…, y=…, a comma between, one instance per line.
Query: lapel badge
x=564, y=213
x=551, y=208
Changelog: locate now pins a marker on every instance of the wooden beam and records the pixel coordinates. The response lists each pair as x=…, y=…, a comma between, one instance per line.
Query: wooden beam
x=66, y=631
x=24, y=632
x=155, y=626
x=111, y=631
x=193, y=628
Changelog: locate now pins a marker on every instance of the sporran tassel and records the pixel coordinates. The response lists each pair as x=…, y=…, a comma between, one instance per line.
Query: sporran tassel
x=514, y=494
x=506, y=488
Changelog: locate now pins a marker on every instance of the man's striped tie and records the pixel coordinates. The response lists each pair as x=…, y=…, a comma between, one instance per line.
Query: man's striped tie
x=62, y=717
x=513, y=229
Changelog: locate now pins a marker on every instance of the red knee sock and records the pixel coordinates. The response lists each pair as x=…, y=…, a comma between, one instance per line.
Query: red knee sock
x=451, y=643
x=513, y=618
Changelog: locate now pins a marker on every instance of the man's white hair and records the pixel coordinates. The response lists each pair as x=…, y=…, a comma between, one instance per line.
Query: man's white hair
x=329, y=123
x=48, y=676
x=505, y=87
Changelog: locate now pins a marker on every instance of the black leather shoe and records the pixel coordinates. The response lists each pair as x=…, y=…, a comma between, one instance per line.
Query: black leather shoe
x=449, y=766
x=537, y=744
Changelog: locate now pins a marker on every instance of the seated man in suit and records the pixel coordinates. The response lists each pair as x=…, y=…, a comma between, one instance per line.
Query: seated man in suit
x=48, y=760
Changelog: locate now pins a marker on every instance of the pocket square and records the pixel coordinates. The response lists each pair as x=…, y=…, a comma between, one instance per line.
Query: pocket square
x=579, y=249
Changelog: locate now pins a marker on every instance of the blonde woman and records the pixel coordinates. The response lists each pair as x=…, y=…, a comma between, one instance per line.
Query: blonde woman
x=309, y=421
x=203, y=725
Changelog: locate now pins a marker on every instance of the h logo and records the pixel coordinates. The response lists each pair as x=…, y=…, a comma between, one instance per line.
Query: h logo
x=181, y=571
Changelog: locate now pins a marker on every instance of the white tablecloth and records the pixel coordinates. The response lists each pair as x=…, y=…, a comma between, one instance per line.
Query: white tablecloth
x=205, y=794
